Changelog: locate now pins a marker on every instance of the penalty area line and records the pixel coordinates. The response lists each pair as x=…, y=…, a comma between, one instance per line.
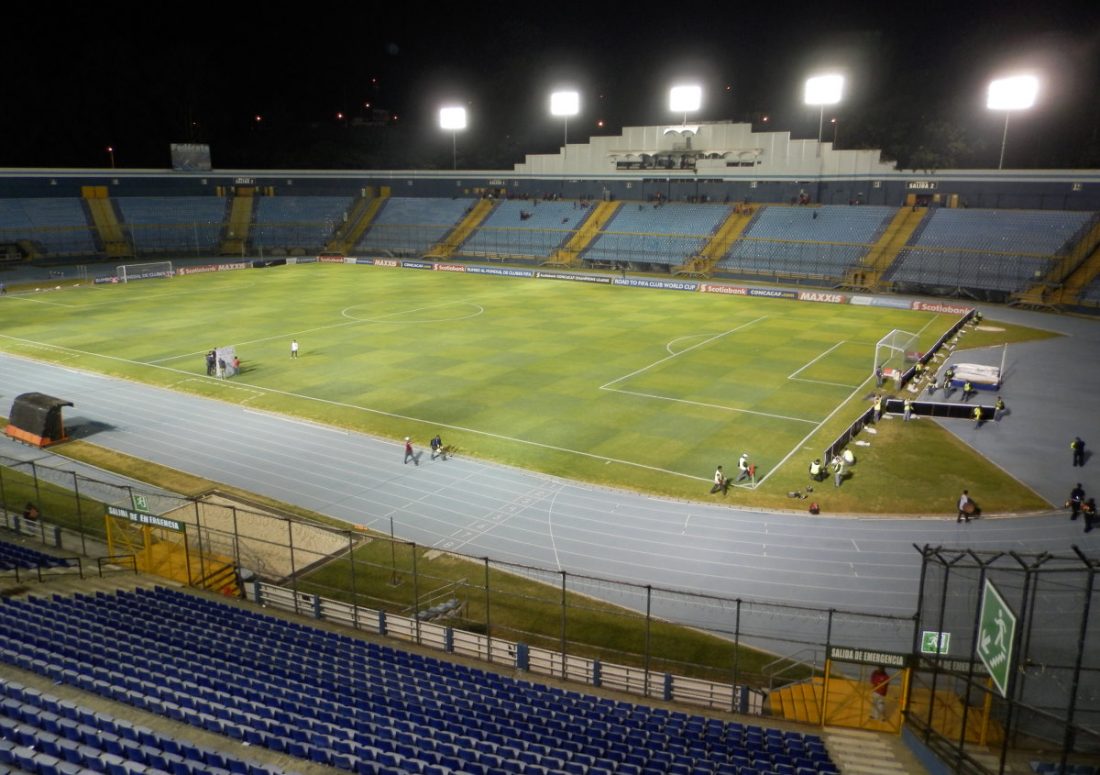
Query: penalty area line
x=793, y=376
x=658, y=362
x=708, y=406
x=841, y=405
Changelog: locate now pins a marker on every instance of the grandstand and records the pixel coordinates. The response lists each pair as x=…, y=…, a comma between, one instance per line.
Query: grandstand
x=819, y=242
x=986, y=250
x=297, y=224
x=325, y=698
x=56, y=226
x=524, y=229
x=657, y=233
x=183, y=225
x=409, y=226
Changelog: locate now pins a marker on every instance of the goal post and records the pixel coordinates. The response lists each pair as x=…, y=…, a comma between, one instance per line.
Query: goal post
x=895, y=351
x=128, y=272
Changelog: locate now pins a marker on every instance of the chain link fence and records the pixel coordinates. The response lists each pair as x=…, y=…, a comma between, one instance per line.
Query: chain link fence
x=740, y=641
x=1050, y=696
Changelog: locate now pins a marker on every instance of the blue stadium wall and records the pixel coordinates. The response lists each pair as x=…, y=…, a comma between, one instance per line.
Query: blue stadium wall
x=1048, y=190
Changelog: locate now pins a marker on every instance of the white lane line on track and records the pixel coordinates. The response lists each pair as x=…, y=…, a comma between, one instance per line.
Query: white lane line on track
x=306, y=423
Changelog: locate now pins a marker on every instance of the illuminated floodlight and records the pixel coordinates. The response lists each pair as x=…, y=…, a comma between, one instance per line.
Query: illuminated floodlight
x=685, y=99
x=1017, y=92
x=565, y=103
x=452, y=119
x=822, y=90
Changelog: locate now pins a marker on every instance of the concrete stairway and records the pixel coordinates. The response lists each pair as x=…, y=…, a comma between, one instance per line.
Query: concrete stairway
x=868, y=753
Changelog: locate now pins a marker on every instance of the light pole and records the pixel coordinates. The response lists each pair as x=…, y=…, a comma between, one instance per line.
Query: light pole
x=685, y=99
x=1016, y=92
x=453, y=119
x=822, y=90
x=111, y=153
x=565, y=104
x=836, y=126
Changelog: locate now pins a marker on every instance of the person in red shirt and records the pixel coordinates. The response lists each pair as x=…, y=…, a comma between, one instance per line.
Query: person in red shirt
x=880, y=685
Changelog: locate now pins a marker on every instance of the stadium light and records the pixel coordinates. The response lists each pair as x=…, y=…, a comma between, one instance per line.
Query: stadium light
x=111, y=153
x=565, y=104
x=822, y=90
x=685, y=99
x=453, y=119
x=1017, y=92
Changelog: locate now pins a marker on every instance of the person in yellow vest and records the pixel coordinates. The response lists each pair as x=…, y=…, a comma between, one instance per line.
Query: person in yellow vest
x=977, y=417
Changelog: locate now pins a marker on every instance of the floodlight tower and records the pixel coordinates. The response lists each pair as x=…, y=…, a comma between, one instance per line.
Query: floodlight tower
x=822, y=90
x=685, y=99
x=565, y=104
x=453, y=119
x=1017, y=92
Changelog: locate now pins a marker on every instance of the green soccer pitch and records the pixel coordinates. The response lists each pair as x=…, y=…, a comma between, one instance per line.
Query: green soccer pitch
x=633, y=387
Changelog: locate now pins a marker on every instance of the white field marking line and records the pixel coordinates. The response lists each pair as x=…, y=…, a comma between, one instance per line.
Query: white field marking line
x=668, y=347
x=822, y=382
x=687, y=401
x=350, y=322
x=676, y=355
x=19, y=297
x=797, y=447
x=394, y=415
x=383, y=320
x=708, y=406
x=798, y=371
x=255, y=393
x=793, y=376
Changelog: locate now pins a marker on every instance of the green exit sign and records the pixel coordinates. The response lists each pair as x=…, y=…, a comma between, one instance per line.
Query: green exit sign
x=932, y=642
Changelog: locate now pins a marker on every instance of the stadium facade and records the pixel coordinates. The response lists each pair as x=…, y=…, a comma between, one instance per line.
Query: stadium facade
x=717, y=161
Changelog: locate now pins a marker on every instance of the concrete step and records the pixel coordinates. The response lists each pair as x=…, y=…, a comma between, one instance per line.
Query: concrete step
x=866, y=753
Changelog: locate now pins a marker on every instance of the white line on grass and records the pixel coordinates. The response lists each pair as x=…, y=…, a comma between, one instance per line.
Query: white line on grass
x=381, y=413
x=793, y=376
x=668, y=347
x=703, y=404
x=20, y=297
x=832, y=414
x=708, y=406
x=350, y=322
x=798, y=371
x=223, y=383
x=606, y=386
x=383, y=318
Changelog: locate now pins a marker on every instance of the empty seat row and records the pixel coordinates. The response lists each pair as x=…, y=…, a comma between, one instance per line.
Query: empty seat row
x=344, y=702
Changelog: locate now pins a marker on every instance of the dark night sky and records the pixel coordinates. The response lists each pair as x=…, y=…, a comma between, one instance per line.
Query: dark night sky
x=76, y=81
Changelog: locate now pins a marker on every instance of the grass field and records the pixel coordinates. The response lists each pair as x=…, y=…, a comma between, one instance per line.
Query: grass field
x=632, y=387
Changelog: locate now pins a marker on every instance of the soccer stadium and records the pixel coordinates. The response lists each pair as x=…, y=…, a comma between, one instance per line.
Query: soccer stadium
x=695, y=448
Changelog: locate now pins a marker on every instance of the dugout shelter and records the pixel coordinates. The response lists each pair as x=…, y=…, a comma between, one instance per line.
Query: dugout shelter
x=35, y=418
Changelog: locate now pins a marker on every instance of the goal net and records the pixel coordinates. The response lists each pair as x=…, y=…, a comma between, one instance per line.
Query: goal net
x=895, y=351
x=128, y=272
